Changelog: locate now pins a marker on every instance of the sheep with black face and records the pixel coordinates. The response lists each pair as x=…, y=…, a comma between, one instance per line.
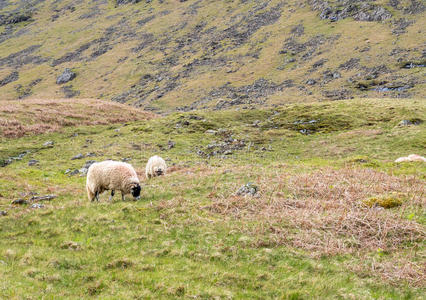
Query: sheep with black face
x=112, y=175
x=156, y=166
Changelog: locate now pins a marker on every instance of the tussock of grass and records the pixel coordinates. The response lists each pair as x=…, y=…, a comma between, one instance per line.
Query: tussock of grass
x=384, y=201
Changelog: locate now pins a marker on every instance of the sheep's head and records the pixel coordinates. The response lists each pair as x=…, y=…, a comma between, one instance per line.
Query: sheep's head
x=135, y=190
x=158, y=171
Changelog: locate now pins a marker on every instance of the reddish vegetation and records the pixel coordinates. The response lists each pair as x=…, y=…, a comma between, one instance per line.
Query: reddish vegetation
x=323, y=213
x=35, y=116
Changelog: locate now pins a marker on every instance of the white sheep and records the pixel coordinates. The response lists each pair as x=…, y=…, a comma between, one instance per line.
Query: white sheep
x=415, y=157
x=112, y=175
x=156, y=166
x=411, y=157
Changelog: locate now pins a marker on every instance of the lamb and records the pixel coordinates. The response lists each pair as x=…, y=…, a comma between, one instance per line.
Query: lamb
x=112, y=175
x=156, y=166
x=411, y=157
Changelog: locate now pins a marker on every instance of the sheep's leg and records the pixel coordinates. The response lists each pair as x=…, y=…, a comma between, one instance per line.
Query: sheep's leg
x=90, y=195
x=97, y=196
x=112, y=195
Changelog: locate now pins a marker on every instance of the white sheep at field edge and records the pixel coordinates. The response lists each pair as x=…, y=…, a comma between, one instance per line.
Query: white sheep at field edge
x=156, y=166
x=112, y=175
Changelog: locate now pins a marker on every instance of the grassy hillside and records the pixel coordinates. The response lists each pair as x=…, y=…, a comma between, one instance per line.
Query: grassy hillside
x=310, y=223
x=167, y=55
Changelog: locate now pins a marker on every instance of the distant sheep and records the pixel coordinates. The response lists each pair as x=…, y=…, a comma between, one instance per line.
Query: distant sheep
x=112, y=175
x=156, y=166
x=411, y=157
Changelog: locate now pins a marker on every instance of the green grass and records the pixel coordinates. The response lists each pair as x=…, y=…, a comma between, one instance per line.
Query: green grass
x=172, y=243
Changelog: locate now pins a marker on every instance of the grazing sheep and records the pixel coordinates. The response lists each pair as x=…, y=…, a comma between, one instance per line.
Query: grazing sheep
x=402, y=159
x=411, y=157
x=156, y=166
x=415, y=157
x=112, y=175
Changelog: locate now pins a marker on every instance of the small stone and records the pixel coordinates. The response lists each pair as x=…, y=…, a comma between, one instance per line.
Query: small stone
x=256, y=123
x=170, y=144
x=78, y=156
x=83, y=171
x=247, y=189
x=3, y=213
x=410, y=122
x=42, y=198
x=37, y=205
x=33, y=162
x=211, y=131
x=75, y=172
x=48, y=144
x=90, y=154
x=19, y=202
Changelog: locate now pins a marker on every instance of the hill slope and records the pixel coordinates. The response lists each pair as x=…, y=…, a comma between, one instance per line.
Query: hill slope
x=275, y=203
x=167, y=54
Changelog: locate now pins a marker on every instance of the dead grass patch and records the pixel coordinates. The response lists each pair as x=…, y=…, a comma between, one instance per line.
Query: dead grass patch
x=393, y=270
x=323, y=212
x=36, y=116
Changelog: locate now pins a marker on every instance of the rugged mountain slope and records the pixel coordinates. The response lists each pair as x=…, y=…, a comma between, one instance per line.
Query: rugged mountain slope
x=169, y=54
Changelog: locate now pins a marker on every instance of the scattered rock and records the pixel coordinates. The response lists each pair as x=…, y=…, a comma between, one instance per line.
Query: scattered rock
x=78, y=156
x=33, y=162
x=247, y=189
x=123, y=2
x=9, y=78
x=410, y=122
x=311, y=82
x=23, y=57
x=3, y=213
x=411, y=65
x=318, y=64
x=9, y=160
x=49, y=144
x=42, y=198
x=357, y=9
x=170, y=144
x=337, y=94
x=66, y=76
x=75, y=172
x=350, y=64
x=14, y=18
x=401, y=25
x=222, y=148
x=37, y=205
x=85, y=168
x=329, y=76
x=210, y=131
x=19, y=202
x=393, y=87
